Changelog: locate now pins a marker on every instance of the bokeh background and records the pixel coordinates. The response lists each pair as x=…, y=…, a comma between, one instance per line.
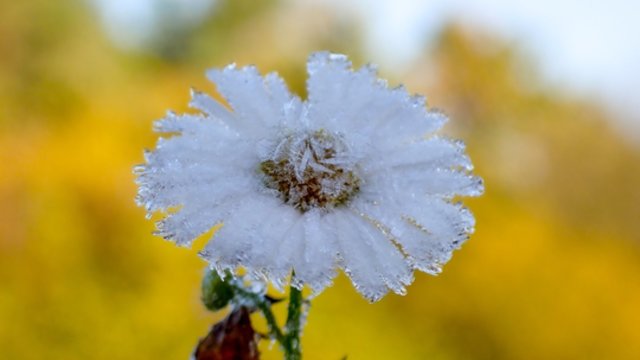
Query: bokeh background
x=544, y=95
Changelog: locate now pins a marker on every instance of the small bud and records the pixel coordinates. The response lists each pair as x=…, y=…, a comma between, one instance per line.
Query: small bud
x=216, y=291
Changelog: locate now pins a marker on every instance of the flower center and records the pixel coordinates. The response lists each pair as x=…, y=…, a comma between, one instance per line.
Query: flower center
x=311, y=171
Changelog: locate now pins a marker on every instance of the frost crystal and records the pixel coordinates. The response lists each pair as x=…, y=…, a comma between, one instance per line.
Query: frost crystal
x=353, y=178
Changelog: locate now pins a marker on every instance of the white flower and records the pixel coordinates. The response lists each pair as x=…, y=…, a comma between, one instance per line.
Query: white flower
x=352, y=178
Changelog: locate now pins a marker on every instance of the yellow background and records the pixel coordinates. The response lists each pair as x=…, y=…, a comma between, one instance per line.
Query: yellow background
x=553, y=271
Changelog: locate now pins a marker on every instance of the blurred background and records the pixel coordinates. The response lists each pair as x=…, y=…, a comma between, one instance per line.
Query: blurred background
x=544, y=94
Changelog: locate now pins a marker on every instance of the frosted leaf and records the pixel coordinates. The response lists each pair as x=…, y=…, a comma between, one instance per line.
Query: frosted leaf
x=354, y=178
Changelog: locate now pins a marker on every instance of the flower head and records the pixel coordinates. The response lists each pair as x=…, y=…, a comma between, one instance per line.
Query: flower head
x=353, y=178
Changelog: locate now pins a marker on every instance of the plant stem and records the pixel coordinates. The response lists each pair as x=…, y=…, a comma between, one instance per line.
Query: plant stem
x=291, y=343
x=265, y=306
x=271, y=321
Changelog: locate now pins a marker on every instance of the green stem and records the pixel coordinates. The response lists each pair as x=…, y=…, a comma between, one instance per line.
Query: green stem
x=291, y=344
x=264, y=305
x=271, y=322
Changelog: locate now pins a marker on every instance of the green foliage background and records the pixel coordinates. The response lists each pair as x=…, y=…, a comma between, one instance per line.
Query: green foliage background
x=553, y=271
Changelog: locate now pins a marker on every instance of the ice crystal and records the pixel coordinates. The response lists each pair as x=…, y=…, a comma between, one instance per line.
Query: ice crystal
x=352, y=178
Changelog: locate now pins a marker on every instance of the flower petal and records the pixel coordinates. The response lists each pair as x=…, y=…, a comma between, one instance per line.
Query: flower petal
x=175, y=173
x=317, y=265
x=258, y=103
x=354, y=102
x=372, y=262
x=250, y=236
x=210, y=107
x=439, y=182
x=427, y=228
x=432, y=153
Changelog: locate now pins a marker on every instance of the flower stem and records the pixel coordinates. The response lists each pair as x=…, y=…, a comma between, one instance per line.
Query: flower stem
x=271, y=321
x=291, y=344
x=264, y=305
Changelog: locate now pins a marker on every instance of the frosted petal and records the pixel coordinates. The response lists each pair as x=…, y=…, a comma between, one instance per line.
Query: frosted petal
x=355, y=259
x=210, y=106
x=159, y=193
x=174, y=123
x=258, y=103
x=441, y=182
x=392, y=266
x=316, y=266
x=175, y=174
x=249, y=238
x=431, y=153
x=288, y=251
x=427, y=228
x=356, y=101
x=196, y=125
x=369, y=259
x=185, y=225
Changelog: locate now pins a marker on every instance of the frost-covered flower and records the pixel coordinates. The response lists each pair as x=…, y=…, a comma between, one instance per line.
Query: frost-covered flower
x=353, y=178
